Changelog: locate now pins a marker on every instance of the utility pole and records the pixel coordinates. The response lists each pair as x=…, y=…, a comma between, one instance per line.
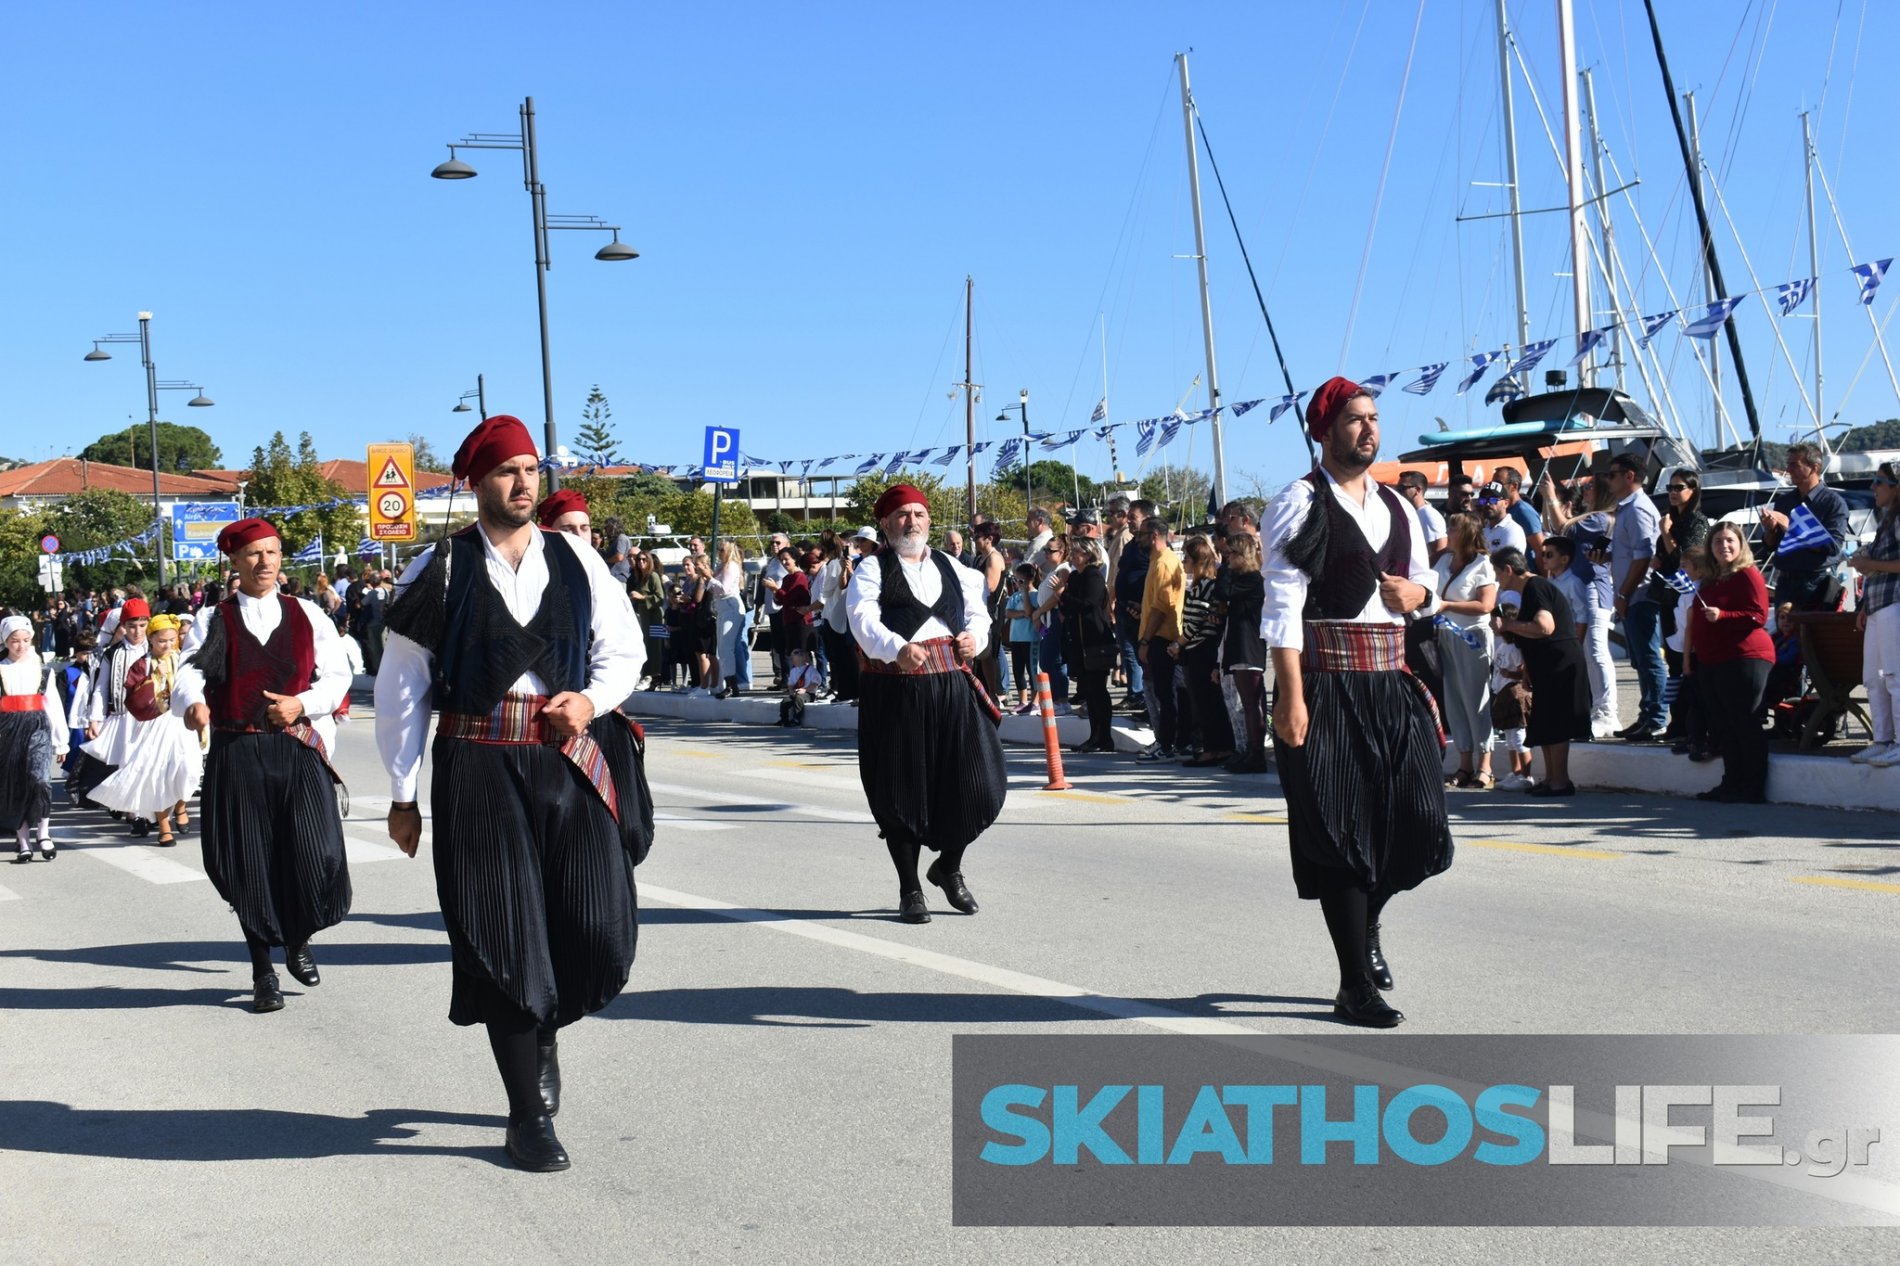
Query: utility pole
x=969, y=403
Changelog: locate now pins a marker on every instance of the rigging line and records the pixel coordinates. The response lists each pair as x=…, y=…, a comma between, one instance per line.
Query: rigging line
x=1868, y=356
x=948, y=334
x=1739, y=115
x=1385, y=169
x=1773, y=323
x=1840, y=226
x=1134, y=202
x=1221, y=184
x=1852, y=71
x=1319, y=146
x=1833, y=43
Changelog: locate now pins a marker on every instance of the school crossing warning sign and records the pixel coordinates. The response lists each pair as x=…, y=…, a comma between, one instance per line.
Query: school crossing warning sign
x=392, y=492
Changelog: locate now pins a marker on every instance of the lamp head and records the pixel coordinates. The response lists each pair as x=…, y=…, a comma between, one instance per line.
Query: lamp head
x=454, y=169
x=200, y=401
x=461, y=406
x=98, y=353
x=616, y=250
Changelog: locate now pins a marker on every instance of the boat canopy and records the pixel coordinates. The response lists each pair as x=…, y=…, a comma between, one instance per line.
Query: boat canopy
x=1535, y=423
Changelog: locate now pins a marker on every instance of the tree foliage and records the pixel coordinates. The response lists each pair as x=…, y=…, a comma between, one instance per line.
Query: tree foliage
x=280, y=477
x=1180, y=492
x=634, y=498
x=596, y=442
x=1054, y=483
x=180, y=448
x=426, y=456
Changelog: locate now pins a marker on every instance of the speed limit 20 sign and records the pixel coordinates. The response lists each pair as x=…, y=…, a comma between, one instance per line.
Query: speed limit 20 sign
x=392, y=492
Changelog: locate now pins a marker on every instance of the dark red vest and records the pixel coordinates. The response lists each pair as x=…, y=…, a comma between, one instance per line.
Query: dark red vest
x=282, y=665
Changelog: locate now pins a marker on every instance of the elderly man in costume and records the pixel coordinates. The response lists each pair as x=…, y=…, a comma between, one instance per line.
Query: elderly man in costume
x=928, y=754
x=32, y=732
x=268, y=671
x=1356, y=737
x=527, y=644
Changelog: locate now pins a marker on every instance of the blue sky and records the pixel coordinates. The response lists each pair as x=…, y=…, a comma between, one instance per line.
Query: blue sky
x=809, y=185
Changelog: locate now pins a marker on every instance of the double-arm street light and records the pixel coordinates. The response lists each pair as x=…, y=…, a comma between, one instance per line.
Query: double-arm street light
x=1003, y=416
x=456, y=169
x=153, y=386
x=479, y=396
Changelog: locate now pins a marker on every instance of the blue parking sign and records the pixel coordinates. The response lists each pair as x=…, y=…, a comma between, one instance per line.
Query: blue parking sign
x=722, y=456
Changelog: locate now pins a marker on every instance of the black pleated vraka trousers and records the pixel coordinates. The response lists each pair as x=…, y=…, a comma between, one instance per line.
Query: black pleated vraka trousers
x=1365, y=795
x=929, y=758
x=273, y=843
x=26, y=770
x=535, y=884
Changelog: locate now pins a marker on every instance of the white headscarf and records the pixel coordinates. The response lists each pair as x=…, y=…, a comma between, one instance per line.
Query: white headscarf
x=14, y=624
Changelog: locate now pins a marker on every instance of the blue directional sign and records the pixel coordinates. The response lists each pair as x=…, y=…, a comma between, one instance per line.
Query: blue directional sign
x=195, y=528
x=722, y=456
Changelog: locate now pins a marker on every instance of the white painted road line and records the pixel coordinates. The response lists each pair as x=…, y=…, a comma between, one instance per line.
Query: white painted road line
x=726, y=797
x=361, y=852
x=7, y=894
x=679, y=822
x=135, y=859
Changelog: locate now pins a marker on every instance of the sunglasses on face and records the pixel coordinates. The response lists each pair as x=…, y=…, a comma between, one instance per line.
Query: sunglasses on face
x=1881, y=481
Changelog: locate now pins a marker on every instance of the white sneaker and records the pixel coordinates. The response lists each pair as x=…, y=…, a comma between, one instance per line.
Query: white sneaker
x=1873, y=751
x=1886, y=758
x=1513, y=782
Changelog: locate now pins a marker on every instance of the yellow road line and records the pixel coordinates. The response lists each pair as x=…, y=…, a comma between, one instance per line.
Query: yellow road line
x=1269, y=819
x=1831, y=881
x=694, y=753
x=1554, y=850
x=1091, y=796
x=802, y=764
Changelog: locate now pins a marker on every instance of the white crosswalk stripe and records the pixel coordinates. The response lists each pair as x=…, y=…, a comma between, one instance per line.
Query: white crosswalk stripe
x=7, y=894
x=145, y=863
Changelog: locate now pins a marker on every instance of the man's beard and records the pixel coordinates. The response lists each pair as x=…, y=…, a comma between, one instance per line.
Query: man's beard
x=1346, y=455
x=500, y=510
x=911, y=545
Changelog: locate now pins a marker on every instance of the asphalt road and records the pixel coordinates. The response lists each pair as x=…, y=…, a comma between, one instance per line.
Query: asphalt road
x=774, y=1084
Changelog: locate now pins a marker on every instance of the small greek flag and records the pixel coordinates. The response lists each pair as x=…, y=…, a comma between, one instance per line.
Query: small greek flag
x=875, y=462
x=1168, y=431
x=1870, y=276
x=1145, y=429
x=1681, y=581
x=1588, y=342
x=1479, y=364
x=1064, y=439
x=1503, y=391
x=980, y=447
x=1374, y=385
x=1245, y=405
x=1432, y=373
x=1653, y=324
x=1005, y=457
x=1533, y=352
x=1804, y=532
x=1710, y=323
x=949, y=454
x=367, y=548
x=1792, y=294
x=311, y=553
x=1470, y=637
x=1101, y=410
x=1282, y=405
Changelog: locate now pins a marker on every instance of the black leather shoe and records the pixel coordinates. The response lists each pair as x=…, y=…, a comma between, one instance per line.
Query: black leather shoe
x=22, y=857
x=1375, y=958
x=265, y=995
x=953, y=887
x=299, y=964
x=550, y=1052
x=533, y=1147
x=1628, y=730
x=1360, y=1003
x=1721, y=795
x=911, y=908
x=48, y=850
x=140, y=828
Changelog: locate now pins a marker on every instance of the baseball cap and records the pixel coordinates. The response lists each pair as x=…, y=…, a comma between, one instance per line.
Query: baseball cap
x=1081, y=517
x=1493, y=491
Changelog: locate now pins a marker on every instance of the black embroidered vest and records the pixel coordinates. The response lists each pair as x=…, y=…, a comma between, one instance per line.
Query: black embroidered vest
x=902, y=612
x=1342, y=569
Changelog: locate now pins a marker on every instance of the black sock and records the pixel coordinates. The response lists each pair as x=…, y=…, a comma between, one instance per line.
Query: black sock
x=951, y=859
x=1375, y=902
x=1345, y=910
x=518, y=1059
x=260, y=954
x=904, y=857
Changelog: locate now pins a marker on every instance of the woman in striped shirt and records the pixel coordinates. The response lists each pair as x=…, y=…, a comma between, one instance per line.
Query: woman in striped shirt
x=1202, y=615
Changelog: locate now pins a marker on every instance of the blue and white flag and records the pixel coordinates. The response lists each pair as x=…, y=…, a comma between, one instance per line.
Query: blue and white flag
x=1065, y=439
x=876, y=460
x=1681, y=581
x=829, y=462
x=311, y=553
x=1103, y=432
x=1653, y=324
x=1377, y=383
x=1101, y=410
x=1792, y=294
x=980, y=447
x=1503, y=391
x=1005, y=458
x=1145, y=429
x=1804, y=532
x=1245, y=405
x=1169, y=430
x=1282, y=405
x=1710, y=323
x=367, y=548
x=1479, y=364
x=1588, y=342
x=1432, y=373
x=1869, y=276
x=805, y=467
x=1470, y=637
x=949, y=454
x=1533, y=352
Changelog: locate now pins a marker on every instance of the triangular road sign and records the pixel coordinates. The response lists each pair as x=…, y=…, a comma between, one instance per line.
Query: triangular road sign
x=391, y=476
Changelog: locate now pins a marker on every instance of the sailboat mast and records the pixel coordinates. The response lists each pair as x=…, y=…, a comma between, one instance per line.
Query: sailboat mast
x=969, y=402
x=1510, y=176
x=1603, y=220
x=1814, y=266
x=1708, y=278
x=1573, y=177
x=1200, y=259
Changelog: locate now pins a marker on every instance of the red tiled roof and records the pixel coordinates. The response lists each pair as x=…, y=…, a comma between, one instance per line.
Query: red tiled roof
x=65, y=476
x=353, y=475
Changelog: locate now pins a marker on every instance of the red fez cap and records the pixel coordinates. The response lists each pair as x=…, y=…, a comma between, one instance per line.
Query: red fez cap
x=237, y=535
x=897, y=497
x=1327, y=402
x=566, y=501
x=135, y=609
x=497, y=439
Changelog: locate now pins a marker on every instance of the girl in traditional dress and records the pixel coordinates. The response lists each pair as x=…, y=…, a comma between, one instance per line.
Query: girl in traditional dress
x=163, y=767
x=110, y=729
x=32, y=732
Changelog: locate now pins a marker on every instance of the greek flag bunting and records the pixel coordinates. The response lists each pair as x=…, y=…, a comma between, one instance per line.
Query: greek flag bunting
x=1245, y=405
x=1533, y=352
x=1065, y=439
x=1282, y=405
x=1103, y=432
x=1588, y=342
x=980, y=447
x=1168, y=431
x=949, y=454
x=1804, y=532
x=1374, y=385
x=1145, y=431
x=1101, y=410
x=1479, y=364
x=1503, y=391
x=1432, y=373
x=1792, y=294
x=1653, y=324
x=1709, y=324
x=1005, y=458
x=876, y=460
x=1870, y=276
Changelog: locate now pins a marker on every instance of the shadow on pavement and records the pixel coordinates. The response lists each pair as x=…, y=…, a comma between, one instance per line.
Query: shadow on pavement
x=825, y=1007
x=230, y=1134
x=191, y=956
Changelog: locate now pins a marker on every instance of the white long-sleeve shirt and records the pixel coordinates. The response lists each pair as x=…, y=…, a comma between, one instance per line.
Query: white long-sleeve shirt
x=1281, y=624
x=329, y=680
x=926, y=585
x=29, y=677
x=405, y=679
x=96, y=698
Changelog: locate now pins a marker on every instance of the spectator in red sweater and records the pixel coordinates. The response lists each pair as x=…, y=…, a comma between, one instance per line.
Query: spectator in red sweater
x=1733, y=655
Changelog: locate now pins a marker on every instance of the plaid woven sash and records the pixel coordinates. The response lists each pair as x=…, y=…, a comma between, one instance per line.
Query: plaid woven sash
x=940, y=656
x=517, y=720
x=1339, y=646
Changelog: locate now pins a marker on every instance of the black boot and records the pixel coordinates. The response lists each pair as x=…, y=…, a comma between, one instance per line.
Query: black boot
x=1375, y=958
x=265, y=995
x=912, y=908
x=1359, y=1003
x=548, y=1048
x=953, y=887
x=532, y=1146
x=300, y=964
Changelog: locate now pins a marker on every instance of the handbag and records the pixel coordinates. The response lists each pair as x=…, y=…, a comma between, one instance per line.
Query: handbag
x=1099, y=658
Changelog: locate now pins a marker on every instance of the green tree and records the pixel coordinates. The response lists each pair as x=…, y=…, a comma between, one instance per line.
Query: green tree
x=596, y=442
x=19, y=559
x=1873, y=435
x=180, y=448
x=426, y=456
x=280, y=477
x=946, y=501
x=1052, y=481
x=1180, y=491
x=95, y=518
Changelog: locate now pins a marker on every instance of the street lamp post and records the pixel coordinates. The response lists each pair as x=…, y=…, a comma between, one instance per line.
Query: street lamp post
x=479, y=396
x=456, y=169
x=1022, y=409
x=152, y=387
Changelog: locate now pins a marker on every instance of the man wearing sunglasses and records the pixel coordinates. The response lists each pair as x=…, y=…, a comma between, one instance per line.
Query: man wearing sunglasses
x=1804, y=575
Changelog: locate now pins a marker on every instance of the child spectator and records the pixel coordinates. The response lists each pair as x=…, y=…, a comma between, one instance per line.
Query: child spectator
x=800, y=685
x=1023, y=643
x=1511, y=711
